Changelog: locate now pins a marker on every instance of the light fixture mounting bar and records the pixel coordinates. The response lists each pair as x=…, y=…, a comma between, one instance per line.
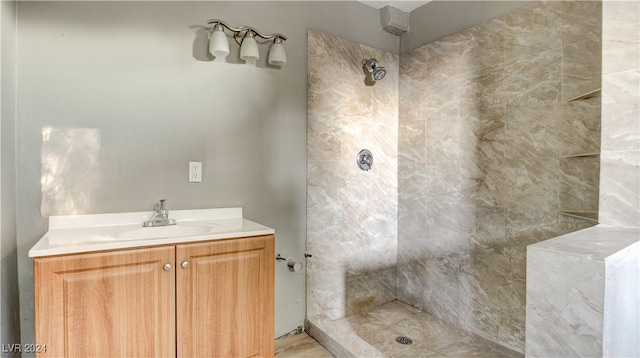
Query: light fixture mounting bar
x=244, y=29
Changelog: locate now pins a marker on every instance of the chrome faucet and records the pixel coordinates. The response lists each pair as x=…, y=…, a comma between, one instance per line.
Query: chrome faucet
x=160, y=216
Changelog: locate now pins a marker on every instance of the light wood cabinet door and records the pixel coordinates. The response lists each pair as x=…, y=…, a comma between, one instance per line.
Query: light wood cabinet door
x=225, y=298
x=106, y=304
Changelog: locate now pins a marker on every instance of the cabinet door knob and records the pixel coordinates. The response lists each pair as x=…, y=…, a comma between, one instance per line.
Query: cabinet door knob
x=167, y=267
x=185, y=264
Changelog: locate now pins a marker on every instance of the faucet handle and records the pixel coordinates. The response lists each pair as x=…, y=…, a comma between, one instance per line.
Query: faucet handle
x=160, y=216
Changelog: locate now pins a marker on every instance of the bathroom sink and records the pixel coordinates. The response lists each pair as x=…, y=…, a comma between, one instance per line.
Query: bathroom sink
x=162, y=232
x=69, y=234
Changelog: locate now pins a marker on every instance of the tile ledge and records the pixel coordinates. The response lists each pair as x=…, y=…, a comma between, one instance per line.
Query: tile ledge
x=596, y=243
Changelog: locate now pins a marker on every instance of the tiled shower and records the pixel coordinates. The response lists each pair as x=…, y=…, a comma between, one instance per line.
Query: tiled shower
x=501, y=153
x=484, y=142
x=352, y=214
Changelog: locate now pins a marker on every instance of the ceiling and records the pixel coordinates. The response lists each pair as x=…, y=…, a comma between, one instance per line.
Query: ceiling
x=406, y=5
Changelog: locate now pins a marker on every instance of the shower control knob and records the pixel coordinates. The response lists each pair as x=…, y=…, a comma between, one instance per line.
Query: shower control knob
x=185, y=264
x=365, y=160
x=166, y=267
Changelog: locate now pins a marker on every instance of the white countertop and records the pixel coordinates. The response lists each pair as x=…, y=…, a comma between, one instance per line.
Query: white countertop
x=70, y=234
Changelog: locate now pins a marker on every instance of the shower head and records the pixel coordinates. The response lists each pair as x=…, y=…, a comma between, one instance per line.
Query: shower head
x=377, y=72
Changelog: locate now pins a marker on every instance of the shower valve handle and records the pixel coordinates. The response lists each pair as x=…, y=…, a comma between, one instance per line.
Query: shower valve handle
x=365, y=160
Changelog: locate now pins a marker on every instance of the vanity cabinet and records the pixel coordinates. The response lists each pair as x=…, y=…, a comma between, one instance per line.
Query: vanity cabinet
x=206, y=299
x=225, y=298
x=118, y=303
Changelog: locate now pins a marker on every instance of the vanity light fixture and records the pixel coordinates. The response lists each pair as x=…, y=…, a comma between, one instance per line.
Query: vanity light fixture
x=218, y=44
x=245, y=37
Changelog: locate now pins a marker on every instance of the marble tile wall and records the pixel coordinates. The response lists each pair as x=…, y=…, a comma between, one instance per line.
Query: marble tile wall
x=620, y=157
x=490, y=121
x=351, y=214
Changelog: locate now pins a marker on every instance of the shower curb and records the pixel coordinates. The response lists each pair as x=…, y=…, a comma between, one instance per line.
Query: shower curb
x=342, y=344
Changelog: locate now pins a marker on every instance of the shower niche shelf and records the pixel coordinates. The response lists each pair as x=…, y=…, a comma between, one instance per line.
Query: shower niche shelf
x=588, y=95
x=592, y=216
x=581, y=155
x=579, y=185
x=580, y=167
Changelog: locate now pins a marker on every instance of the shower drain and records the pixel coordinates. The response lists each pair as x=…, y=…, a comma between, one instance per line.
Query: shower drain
x=404, y=340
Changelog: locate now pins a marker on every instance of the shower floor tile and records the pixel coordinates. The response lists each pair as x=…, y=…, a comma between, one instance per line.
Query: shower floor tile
x=431, y=336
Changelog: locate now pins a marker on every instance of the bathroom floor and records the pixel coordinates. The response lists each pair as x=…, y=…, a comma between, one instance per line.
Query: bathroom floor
x=430, y=336
x=300, y=345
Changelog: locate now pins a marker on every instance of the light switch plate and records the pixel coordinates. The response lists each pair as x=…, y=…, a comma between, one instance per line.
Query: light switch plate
x=195, y=172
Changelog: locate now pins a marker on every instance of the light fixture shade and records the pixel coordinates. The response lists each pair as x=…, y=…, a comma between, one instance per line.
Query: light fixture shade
x=249, y=48
x=277, y=56
x=218, y=43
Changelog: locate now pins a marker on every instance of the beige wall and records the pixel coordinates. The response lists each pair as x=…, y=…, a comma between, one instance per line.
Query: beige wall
x=351, y=214
x=492, y=146
x=620, y=157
